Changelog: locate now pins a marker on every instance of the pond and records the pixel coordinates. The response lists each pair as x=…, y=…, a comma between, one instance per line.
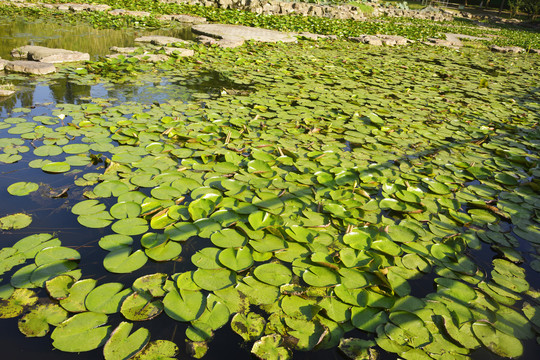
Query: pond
x=19, y=31
x=289, y=194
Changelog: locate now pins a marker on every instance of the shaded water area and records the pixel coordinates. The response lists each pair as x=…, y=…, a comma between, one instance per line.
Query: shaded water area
x=18, y=31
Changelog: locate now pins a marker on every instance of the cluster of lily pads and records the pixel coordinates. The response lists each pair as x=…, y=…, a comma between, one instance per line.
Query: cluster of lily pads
x=323, y=196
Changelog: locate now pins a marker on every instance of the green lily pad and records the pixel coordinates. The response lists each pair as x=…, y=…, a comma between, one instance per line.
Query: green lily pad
x=497, y=341
x=207, y=258
x=56, y=167
x=16, y=303
x=115, y=241
x=77, y=295
x=56, y=253
x=141, y=306
x=158, y=350
x=88, y=207
x=36, y=322
x=95, y=221
x=273, y=274
x=152, y=284
x=269, y=348
x=22, y=188
x=249, y=326
x=106, y=298
x=81, y=332
x=121, y=345
x=214, y=279
x=236, y=259
x=164, y=252
x=122, y=260
x=228, y=238
x=320, y=276
x=58, y=287
x=185, y=305
x=31, y=245
x=130, y=226
x=15, y=221
x=123, y=210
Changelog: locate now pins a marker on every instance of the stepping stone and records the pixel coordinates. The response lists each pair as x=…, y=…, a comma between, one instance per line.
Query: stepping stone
x=506, y=49
x=160, y=40
x=30, y=67
x=6, y=92
x=367, y=39
x=129, y=13
x=3, y=64
x=391, y=40
x=178, y=51
x=235, y=35
x=187, y=19
x=123, y=50
x=48, y=55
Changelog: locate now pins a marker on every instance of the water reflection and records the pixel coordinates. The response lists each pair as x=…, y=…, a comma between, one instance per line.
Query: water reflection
x=18, y=31
x=63, y=91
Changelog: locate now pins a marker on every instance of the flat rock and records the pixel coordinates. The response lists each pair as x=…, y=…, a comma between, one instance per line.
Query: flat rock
x=48, y=55
x=367, y=39
x=506, y=49
x=5, y=92
x=178, y=51
x=534, y=51
x=237, y=34
x=187, y=19
x=3, y=64
x=159, y=40
x=30, y=67
x=441, y=42
x=311, y=36
x=129, y=13
x=392, y=40
x=123, y=50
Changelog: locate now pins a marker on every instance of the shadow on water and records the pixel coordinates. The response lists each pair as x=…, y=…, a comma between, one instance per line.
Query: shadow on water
x=15, y=32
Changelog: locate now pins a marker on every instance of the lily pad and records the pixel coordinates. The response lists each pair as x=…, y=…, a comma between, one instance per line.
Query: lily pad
x=81, y=332
x=22, y=188
x=15, y=221
x=121, y=345
x=36, y=322
x=184, y=305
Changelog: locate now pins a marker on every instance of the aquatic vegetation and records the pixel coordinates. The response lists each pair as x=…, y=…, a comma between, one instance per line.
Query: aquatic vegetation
x=333, y=195
x=414, y=29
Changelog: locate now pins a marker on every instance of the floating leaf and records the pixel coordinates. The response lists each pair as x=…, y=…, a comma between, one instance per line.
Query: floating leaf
x=81, y=332
x=184, y=305
x=36, y=322
x=106, y=298
x=236, y=259
x=15, y=221
x=158, y=350
x=496, y=341
x=16, y=303
x=141, y=306
x=56, y=167
x=273, y=274
x=250, y=327
x=22, y=188
x=121, y=260
x=121, y=345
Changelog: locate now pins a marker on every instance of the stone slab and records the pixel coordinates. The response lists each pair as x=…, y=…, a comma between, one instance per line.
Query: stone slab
x=159, y=40
x=48, y=55
x=30, y=67
x=123, y=50
x=178, y=51
x=506, y=49
x=187, y=19
x=239, y=32
x=6, y=92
